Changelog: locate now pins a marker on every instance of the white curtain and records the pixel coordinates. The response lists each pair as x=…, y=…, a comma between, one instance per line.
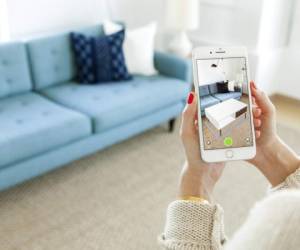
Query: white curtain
x=4, y=27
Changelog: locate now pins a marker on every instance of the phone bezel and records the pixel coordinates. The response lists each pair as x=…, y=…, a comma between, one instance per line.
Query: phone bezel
x=218, y=155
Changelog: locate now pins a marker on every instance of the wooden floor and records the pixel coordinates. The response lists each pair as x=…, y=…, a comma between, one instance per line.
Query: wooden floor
x=288, y=110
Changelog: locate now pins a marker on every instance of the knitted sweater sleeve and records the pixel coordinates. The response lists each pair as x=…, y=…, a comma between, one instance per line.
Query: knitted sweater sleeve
x=193, y=225
x=291, y=182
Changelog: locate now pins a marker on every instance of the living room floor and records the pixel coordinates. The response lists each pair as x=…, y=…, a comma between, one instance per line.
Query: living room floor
x=238, y=135
x=288, y=110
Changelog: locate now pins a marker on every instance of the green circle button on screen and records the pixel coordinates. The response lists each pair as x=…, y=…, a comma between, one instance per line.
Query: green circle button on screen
x=228, y=141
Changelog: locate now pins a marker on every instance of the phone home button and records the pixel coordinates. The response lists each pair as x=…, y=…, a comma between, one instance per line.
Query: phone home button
x=229, y=153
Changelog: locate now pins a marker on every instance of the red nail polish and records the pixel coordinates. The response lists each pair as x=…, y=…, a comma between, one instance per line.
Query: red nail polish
x=190, y=98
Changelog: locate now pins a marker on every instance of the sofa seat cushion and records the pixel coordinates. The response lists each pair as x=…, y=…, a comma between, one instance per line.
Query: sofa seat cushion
x=225, y=96
x=207, y=101
x=31, y=124
x=115, y=103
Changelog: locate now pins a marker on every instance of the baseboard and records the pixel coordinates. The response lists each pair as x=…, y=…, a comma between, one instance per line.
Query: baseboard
x=288, y=99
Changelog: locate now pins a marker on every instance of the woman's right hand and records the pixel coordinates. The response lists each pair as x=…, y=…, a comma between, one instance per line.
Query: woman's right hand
x=273, y=157
x=265, y=116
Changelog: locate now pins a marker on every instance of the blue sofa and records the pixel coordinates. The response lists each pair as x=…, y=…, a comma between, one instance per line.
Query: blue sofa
x=48, y=119
x=209, y=96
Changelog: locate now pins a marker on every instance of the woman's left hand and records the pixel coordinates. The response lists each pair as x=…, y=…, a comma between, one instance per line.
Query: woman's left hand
x=198, y=178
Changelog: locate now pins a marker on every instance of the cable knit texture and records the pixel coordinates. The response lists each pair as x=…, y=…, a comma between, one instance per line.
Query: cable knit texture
x=194, y=225
x=291, y=182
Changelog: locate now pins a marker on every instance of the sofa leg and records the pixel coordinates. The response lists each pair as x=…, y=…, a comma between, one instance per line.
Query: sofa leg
x=171, y=125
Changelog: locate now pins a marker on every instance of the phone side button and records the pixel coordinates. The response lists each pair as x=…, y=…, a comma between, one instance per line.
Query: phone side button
x=229, y=153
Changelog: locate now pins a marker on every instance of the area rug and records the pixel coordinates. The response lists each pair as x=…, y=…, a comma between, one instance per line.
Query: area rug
x=117, y=198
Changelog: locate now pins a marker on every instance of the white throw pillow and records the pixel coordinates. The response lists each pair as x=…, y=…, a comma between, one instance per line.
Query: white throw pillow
x=231, y=85
x=138, y=47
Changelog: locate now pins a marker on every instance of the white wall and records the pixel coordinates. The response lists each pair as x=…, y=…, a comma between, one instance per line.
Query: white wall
x=280, y=49
x=229, y=22
x=295, y=26
x=227, y=70
x=138, y=12
x=4, y=29
x=32, y=17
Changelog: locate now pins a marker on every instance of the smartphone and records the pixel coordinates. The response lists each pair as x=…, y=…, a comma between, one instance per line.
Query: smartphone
x=221, y=78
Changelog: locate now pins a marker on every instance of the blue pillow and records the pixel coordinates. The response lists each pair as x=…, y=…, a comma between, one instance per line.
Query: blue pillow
x=100, y=59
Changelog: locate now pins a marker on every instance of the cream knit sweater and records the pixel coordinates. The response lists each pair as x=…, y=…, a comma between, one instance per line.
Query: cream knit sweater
x=273, y=223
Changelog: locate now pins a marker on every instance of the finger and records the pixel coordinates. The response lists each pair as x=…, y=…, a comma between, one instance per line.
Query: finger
x=256, y=112
x=257, y=123
x=261, y=99
x=188, y=115
x=257, y=134
x=253, y=84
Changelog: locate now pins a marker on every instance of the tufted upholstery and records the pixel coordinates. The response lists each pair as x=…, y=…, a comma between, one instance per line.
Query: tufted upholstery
x=14, y=70
x=113, y=104
x=31, y=124
x=52, y=59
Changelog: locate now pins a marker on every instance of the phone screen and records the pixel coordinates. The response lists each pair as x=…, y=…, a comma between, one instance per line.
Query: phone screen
x=224, y=103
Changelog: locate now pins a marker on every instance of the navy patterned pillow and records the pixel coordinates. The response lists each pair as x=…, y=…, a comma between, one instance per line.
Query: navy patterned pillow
x=100, y=59
x=84, y=52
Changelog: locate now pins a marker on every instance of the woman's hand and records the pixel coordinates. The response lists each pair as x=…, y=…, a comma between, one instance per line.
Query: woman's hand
x=197, y=177
x=273, y=158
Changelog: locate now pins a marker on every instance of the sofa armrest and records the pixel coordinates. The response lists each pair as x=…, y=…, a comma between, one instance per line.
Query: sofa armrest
x=173, y=66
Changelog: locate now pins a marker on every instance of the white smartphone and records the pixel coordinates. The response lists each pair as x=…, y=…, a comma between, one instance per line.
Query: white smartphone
x=221, y=78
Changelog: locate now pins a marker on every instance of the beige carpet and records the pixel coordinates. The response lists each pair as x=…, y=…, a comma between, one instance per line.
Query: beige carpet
x=116, y=199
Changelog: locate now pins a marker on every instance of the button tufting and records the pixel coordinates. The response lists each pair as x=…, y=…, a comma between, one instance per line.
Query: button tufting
x=53, y=51
x=9, y=81
x=19, y=121
x=56, y=68
x=96, y=98
x=4, y=62
x=46, y=113
x=24, y=103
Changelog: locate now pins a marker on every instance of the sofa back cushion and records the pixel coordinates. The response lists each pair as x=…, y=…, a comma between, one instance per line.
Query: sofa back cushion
x=14, y=69
x=203, y=90
x=213, y=88
x=52, y=58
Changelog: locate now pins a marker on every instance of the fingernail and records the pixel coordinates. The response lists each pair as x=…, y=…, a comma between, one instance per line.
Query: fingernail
x=190, y=98
x=253, y=84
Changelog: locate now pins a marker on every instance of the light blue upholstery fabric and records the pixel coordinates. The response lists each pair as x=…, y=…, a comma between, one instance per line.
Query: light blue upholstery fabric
x=207, y=101
x=31, y=124
x=19, y=172
x=112, y=104
x=203, y=90
x=173, y=66
x=14, y=69
x=52, y=58
x=213, y=89
x=229, y=95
